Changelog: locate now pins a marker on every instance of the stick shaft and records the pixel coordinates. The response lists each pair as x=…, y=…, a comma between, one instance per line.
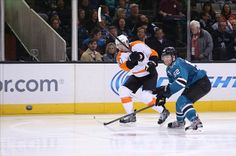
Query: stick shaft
x=100, y=20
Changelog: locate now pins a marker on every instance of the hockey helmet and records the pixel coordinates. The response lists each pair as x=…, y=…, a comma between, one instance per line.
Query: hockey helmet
x=122, y=47
x=168, y=51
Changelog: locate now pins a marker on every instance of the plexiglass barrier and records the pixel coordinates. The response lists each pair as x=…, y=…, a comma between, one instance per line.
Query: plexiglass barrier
x=34, y=33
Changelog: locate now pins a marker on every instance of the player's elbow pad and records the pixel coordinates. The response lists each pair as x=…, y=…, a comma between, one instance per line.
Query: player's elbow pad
x=131, y=64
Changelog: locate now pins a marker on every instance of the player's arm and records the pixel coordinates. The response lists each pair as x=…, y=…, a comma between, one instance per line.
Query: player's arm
x=153, y=61
x=127, y=63
x=179, y=82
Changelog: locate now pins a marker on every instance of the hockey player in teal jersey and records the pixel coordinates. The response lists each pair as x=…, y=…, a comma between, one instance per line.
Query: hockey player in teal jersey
x=183, y=74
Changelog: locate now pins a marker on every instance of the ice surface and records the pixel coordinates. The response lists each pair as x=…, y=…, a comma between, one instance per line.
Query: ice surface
x=82, y=135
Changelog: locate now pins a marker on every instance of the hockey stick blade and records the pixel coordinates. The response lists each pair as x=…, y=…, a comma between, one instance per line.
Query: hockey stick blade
x=99, y=14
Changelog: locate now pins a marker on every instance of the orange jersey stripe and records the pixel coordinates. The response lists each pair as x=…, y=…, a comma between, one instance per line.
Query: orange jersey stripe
x=121, y=64
x=124, y=66
x=154, y=53
x=126, y=99
x=139, y=71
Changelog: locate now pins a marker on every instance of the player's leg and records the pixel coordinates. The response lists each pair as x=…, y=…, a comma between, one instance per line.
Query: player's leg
x=149, y=84
x=125, y=93
x=194, y=93
x=183, y=107
x=199, y=89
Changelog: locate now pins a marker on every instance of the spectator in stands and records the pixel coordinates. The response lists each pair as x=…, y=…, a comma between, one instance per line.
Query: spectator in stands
x=206, y=22
x=132, y=20
x=143, y=21
x=221, y=40
x=85, y=5
x=111, y=35
x=231, y=49
x=112, y=6
x=106, y=14
x=208, y=10
x=111, y=52
x=201, y=42
x=171, y=13
x=97, y=36
x=123, y=29
x=64, y=13
x=219, y=19
x=141, y=34
x=227, y=15
x=124, y=4
x=81, y=17
x=120, y=13
x=91, y=55
x=56, y=25
x=158, y=42
x=93, y=21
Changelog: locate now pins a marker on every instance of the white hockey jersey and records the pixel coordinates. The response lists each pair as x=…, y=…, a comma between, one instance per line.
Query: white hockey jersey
x=140, y=69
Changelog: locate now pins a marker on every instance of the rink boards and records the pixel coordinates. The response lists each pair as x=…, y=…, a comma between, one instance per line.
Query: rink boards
x=93, y=88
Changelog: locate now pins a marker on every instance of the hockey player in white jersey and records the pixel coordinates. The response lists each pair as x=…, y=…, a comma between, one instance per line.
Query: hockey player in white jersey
x=136, y=57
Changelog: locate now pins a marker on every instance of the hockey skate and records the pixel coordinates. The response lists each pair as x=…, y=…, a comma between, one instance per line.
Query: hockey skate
x=128, y=119
x=195, y=125
x=163, y=116
x=176, y=124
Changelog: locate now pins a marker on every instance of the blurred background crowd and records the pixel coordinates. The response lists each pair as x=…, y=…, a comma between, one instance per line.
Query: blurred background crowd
x=158, y=23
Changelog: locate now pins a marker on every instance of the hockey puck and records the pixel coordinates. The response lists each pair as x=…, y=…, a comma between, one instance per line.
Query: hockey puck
x=28, y=107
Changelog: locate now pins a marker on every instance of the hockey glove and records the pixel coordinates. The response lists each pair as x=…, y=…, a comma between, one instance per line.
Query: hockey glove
x=160, y=98
x=162, y=91
x=160, y=101
x=136, y=56
x=151, y=67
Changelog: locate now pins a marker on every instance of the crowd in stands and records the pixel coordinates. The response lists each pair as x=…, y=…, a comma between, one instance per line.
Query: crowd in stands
x=213, y=27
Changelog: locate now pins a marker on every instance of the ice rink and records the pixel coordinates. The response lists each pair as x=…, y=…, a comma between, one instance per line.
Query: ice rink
x=82, y=135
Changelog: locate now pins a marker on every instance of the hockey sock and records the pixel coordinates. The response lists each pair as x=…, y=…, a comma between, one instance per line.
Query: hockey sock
x=128, y=107
x=158, y=108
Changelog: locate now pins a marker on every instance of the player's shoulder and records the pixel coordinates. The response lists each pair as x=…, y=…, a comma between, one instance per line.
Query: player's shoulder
x=179, y=61
x=133, y=43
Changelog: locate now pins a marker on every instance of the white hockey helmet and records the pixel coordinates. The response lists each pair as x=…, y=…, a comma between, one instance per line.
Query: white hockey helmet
x=124, y=40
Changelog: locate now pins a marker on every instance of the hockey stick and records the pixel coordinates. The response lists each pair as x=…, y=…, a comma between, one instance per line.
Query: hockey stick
x=135, y=112
x=100, y=20
x=160, y=102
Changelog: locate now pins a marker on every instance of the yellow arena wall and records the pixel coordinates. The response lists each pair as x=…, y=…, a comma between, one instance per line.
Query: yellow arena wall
x=92, y=89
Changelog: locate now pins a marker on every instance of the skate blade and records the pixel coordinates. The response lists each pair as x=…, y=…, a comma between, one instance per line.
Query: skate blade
x=200, y=129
